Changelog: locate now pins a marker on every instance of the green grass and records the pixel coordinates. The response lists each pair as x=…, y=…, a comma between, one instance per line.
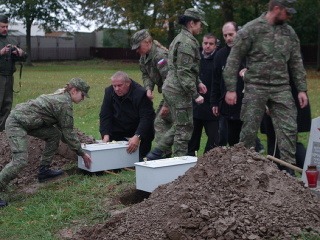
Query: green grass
x=80, y=200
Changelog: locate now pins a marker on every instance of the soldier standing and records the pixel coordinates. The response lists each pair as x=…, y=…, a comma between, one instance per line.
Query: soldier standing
x=10, y=53
x=270, y=46
x=181, y=84
x=154, y=68
x=48, y=117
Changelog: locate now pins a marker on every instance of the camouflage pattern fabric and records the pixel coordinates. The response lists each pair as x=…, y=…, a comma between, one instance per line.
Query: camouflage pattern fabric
x=154, y=69
x=179, y=88
x=180, y=133
x=269, y=51
x=184, y=61
x=48, y=117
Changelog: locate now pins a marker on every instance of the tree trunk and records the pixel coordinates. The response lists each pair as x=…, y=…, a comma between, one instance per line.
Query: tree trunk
x=28, y=41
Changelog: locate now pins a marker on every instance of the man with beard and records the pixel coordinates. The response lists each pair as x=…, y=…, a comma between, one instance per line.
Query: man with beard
x=271, y=48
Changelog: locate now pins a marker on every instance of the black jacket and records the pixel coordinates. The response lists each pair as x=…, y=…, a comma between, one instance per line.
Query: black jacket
x=218, y=89
x=203, y=111
x=127, y=115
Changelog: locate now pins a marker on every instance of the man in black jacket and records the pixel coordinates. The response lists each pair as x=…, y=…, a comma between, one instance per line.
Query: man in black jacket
x=218, y=89
x=127, y=113
x=202, y=114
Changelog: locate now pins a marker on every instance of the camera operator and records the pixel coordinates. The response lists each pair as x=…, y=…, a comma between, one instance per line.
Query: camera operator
x=10, y=53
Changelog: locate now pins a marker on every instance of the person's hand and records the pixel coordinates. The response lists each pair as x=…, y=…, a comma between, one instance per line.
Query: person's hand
x=106, y=138
x=215, y=111
x=242, y=72
x=87, y=160
x=202, y=88
x=133, y=144
x=164, y=111
x=303, y=99
x=199, y=99
x=5, y=50
x=150, y=94
x=231, y=98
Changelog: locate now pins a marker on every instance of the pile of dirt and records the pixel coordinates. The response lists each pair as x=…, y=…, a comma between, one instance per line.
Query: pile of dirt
x=35, y=148
x=231, y=193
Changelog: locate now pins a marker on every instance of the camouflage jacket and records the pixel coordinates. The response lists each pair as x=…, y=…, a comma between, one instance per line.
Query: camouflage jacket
x=7, y=62
x=154, y=68
x=184, y=60
x=49, y=110
x=269, y=50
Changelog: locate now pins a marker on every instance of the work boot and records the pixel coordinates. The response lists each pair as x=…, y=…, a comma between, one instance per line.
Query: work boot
x=45, y=173
x=157, y=154
x=3, y=203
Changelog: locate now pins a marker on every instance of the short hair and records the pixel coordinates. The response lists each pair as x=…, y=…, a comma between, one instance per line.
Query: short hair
x=122, y=75
x=234, y=24
x=273, y=3
x=4, y=19
x=183, y=20
x=210, y=35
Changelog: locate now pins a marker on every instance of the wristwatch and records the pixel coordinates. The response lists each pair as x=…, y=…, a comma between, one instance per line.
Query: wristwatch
x=138, y=135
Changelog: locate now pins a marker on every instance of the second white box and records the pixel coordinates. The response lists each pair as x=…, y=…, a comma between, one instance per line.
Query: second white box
x=151, y=174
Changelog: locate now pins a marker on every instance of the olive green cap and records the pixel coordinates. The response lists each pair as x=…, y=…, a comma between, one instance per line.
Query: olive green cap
x=288, y=5
x=138, y=37
x=81, y=85
x=196, y=14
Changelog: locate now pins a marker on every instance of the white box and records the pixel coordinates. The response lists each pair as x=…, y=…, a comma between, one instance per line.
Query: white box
x=107, y=156
x=151, y=174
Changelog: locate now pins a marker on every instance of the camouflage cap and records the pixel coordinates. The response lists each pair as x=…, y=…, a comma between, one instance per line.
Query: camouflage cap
x=288, y=4
x=196, y=14
x=81, y=85
x=138, y=37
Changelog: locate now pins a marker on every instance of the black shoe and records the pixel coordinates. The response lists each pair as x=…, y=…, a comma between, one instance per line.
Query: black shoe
x=157, y=154
x=45, y=173
x=3, y=203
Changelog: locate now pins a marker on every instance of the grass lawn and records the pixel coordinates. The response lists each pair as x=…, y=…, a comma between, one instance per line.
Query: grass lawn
x=80, y=200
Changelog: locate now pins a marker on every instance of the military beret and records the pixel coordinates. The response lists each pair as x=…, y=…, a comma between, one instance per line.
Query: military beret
x=80, y=84
x=288, y=4
x=196, y=14
x=3, y=18
x=138, y=37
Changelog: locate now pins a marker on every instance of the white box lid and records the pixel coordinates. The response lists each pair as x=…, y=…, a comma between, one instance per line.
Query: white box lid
x=103, y=146
x=166, y=162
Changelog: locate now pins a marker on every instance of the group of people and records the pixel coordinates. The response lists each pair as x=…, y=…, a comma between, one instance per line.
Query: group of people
x=225, y=91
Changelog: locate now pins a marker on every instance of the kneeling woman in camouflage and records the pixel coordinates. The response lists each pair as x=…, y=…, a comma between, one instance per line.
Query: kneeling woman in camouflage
x=50, y=118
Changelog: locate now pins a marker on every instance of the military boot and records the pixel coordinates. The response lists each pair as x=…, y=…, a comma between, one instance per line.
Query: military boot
x=3, y=203
x=45, y=173
x=157, y=154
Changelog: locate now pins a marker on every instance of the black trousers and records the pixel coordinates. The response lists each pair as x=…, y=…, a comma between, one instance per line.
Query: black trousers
x=212, y=131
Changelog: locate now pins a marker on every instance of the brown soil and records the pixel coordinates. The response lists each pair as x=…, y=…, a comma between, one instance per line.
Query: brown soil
x=232, y=193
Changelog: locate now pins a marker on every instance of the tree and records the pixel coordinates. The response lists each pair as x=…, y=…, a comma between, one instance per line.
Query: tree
x=50, y=15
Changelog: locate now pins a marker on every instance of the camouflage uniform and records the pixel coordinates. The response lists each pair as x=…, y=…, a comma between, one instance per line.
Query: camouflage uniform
x=154, y=70
x=269, y=51
x=179, y=89
x=48, y=117
x=7, y=68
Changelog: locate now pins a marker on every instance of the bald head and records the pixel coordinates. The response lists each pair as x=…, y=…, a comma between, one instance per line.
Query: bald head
x=229, y=31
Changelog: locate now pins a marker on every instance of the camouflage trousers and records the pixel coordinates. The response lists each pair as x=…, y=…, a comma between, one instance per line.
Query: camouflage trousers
x=161, y=124
x=18, y=140
x=282, y=111
x=180, y=132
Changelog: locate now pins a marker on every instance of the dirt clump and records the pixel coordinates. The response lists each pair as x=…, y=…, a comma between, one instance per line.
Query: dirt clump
x=28, y=175
x=231, y=193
